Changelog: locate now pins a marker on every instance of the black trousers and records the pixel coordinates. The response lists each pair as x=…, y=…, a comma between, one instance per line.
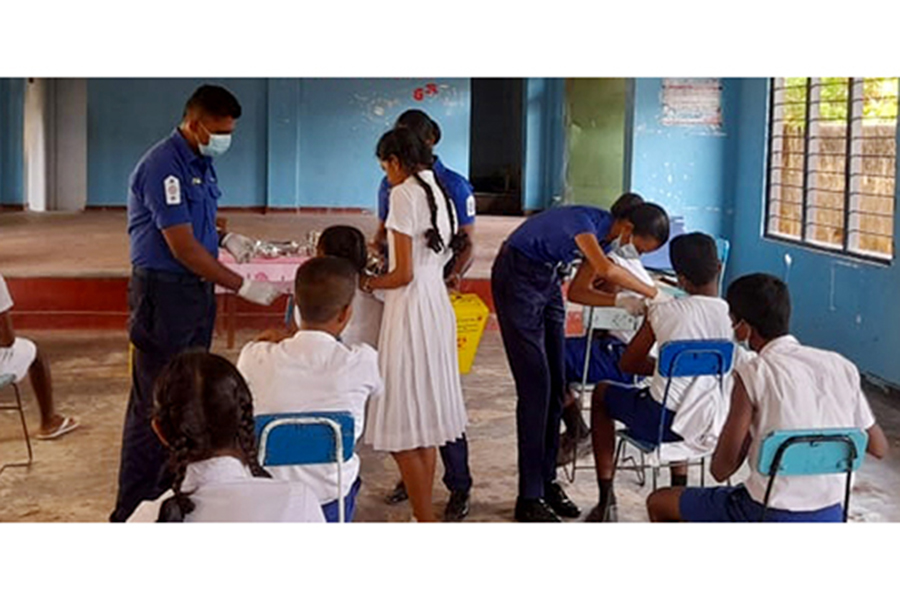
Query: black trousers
x=532, y=316
x=170, y=313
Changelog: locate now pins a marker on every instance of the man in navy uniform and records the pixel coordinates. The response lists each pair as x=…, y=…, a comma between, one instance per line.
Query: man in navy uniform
x=173, y=195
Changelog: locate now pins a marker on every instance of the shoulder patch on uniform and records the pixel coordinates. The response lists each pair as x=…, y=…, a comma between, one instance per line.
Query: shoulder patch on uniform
x=172, y=186
x=470, y=206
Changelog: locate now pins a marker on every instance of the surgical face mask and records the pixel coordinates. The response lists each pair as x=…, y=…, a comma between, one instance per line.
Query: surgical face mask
x=745, y=344
x=627, y=251
x=297, y=318
x=218, y=144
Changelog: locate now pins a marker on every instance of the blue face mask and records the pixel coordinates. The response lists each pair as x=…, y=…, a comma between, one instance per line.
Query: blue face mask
x=627, y=251
x=218, y=144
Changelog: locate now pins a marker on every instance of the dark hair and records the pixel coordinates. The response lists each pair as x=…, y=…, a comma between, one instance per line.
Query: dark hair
x=624, y=205
x=413, y=156
x=763, y=302
x=344, y=241
x=694, y=255
x=323, y=287
x=214, y=101
x=649, y=220
x=202, y=406
x=421, y=124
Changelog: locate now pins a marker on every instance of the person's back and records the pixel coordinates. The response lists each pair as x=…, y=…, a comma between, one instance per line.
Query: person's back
x=224, y=491
x=793, y=386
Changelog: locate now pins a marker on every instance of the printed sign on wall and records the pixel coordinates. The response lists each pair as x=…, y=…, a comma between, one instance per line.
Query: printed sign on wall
x=692, y=102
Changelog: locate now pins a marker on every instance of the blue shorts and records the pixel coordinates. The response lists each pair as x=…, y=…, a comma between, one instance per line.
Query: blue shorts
x=330, y=510
x=734, y=505
x=637, y=409
x=606, y=351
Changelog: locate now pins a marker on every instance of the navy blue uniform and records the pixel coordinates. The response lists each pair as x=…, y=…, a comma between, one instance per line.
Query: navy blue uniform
x=527, y=291
x=455, y=454
x=171, y=309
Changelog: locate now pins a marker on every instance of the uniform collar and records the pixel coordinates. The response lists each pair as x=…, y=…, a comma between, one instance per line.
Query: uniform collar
x=779, y=343
x=186, y=152
x=220, y=469
x=315, y=336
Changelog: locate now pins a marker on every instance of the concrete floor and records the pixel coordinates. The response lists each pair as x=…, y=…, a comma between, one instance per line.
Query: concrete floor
x=74, y=478
x=95, y=244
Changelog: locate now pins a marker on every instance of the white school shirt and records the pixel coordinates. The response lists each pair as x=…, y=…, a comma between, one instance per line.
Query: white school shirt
x=636, y=268
x=224, y=491
x=6, y=301
x=365, y=324
x=700, y=406
x=792, y=386
x=312, y=371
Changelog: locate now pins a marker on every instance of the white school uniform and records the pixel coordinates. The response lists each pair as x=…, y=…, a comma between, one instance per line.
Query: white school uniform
x=224, y=491
x=15, y=359
x=312, y=371
x=792, y=386
x=422, y=405
x=365, y=324
x=700, y=406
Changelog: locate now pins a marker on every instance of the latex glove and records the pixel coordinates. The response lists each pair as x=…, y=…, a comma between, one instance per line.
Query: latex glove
x=239, y=246
x=258, y=292
x=632, y=304
x=660, y=297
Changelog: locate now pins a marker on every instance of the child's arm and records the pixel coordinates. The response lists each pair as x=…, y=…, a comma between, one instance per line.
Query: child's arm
x=734, y=442
x=878, y=444
x=403, y=270
x=608, y=270
x=583, y=289
x=636, y=358
x=7, y=333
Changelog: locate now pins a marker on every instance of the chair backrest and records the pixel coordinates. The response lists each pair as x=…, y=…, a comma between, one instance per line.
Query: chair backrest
x=6, y=379
x=304, y=438
x=812, y=451
x=694, y=358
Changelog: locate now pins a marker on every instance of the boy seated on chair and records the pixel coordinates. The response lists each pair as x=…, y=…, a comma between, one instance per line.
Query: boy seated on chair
x=786, y=386
x=606, y=352
x=20, y=357
x=695, y=408
x=313, y=371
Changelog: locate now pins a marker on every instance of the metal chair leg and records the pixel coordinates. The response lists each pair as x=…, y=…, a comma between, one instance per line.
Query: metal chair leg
x=655, y=477
x=21, y=410
x=703, y=471
x=642, y=474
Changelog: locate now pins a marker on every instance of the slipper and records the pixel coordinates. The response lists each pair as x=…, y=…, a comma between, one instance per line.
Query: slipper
x=68, y=424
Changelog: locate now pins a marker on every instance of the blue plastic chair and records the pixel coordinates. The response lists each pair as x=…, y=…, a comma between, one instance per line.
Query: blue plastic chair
x=811, y=452
x=9, y=380
x=680, y=358
x=311, y=438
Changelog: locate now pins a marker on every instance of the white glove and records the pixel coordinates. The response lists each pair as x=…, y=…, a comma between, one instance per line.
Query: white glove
x=660, y=297
x=258, y=292
x=632, y=304
x=239, y=246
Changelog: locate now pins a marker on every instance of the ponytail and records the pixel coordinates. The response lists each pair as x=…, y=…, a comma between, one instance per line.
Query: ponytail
x=459, y=241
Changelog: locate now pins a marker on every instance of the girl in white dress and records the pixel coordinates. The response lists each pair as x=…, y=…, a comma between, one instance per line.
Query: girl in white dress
x=422, y=407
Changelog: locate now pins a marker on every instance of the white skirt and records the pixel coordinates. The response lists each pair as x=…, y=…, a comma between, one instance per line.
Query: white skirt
x=422, y=404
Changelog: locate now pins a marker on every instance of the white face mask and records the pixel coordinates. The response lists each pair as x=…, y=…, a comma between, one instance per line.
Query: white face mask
x=627, y=251
x=297, y=318
x=745, y=344
x=218, y=144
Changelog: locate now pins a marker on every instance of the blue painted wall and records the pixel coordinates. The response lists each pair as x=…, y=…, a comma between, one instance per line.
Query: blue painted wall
x=299, y=143
x=12, y=107
x=846, y=305
x=544, y=147
x=688, y=170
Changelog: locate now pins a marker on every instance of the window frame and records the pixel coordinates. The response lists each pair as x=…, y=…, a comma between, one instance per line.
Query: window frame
x=802, y=242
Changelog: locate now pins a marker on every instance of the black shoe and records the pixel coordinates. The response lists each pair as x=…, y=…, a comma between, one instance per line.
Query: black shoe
x=556, y=497
x=398, y=495
x=457, y=507
x=603, y=513
x=535, y=510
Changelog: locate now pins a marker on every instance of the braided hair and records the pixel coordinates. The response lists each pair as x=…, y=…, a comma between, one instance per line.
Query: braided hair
x=202, y=408
x=414, y=156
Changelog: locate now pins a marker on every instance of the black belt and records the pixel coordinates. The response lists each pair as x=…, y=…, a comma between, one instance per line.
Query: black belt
x=166, y=276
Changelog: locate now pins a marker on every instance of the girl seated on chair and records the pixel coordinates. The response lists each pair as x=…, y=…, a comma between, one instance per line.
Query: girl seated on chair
x=203, y=413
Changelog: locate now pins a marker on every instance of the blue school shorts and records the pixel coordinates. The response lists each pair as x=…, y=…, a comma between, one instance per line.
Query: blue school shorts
x=734, y=505
x=637, y=409
x=330, y=510
x=606, y=351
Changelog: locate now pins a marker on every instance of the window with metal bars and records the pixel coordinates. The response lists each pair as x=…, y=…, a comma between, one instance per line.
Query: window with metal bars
x=832, y=164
